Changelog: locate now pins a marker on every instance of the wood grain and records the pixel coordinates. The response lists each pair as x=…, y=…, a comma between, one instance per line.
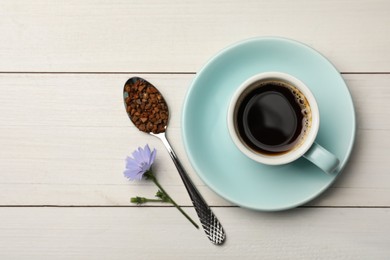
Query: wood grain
x=179, y=36
x=64, y=138
x=132, y=233
x=64, y=133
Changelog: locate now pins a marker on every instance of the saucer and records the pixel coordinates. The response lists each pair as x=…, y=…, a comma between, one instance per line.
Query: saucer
x=218, y=161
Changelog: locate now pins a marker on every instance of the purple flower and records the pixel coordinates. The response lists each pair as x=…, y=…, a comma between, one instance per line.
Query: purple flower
x=141, y=163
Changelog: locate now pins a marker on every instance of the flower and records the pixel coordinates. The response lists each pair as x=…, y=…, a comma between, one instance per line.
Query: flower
x=141, y=163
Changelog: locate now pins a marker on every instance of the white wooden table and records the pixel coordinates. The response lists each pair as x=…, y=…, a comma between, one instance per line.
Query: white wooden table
x=64, y=134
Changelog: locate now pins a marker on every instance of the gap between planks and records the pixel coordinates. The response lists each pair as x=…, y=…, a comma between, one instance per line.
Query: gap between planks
x=159, y=72
x=184, y=206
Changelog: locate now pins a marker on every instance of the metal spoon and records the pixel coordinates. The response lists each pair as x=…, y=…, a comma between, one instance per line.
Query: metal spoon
x=149, y=112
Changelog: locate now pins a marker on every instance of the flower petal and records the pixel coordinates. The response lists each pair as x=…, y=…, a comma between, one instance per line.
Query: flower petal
x=152, y=157
x=134, y=168
x=144, y=167
x=130, y=162
x=147, y=150
x=145, y=154
x=137, y=156
x=132, y=175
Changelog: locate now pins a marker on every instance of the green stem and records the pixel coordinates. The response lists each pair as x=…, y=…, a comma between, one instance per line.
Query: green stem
x=163, y=196
x=141, y=200
x=151, y=176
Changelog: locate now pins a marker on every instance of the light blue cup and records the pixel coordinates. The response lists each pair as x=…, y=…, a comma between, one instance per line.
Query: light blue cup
x=306, y=147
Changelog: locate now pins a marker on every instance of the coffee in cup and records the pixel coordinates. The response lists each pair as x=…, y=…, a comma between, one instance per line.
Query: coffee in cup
x=273, y=118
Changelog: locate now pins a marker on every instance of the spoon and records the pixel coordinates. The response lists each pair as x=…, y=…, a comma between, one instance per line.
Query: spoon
x=149, y=112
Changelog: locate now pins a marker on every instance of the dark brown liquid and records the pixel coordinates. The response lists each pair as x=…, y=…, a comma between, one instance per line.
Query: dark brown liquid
x=270, y=118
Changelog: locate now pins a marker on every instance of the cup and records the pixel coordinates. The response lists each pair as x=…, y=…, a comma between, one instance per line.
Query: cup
x=273, y=118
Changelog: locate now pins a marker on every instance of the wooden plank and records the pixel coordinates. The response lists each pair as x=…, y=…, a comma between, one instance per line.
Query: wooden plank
x=140, y=233
x=95, y=100
x=64, y=138
x=81, y=169
x=180, y=36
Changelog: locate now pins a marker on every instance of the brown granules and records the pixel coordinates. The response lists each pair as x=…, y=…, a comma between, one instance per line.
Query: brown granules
x=146, y=107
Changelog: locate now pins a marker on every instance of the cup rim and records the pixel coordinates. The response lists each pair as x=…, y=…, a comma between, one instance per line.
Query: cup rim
x=285, y=157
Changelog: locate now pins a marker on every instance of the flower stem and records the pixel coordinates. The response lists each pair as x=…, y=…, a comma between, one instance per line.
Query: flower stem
x=142, y=200
x=163, y=196
x=151, y=176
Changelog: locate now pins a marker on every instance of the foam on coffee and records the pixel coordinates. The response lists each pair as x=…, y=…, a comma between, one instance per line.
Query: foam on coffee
x=303, y=103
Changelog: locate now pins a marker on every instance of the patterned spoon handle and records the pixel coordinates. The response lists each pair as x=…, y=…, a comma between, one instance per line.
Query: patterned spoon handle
x=211, y=225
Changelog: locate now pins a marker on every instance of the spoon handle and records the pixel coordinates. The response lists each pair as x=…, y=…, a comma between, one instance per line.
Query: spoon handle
x=211, y=225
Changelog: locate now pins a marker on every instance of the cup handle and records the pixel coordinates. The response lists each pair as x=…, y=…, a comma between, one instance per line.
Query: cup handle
x=322, y=158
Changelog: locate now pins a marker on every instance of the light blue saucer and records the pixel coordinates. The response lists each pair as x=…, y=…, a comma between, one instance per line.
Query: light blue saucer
x=215, y=157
